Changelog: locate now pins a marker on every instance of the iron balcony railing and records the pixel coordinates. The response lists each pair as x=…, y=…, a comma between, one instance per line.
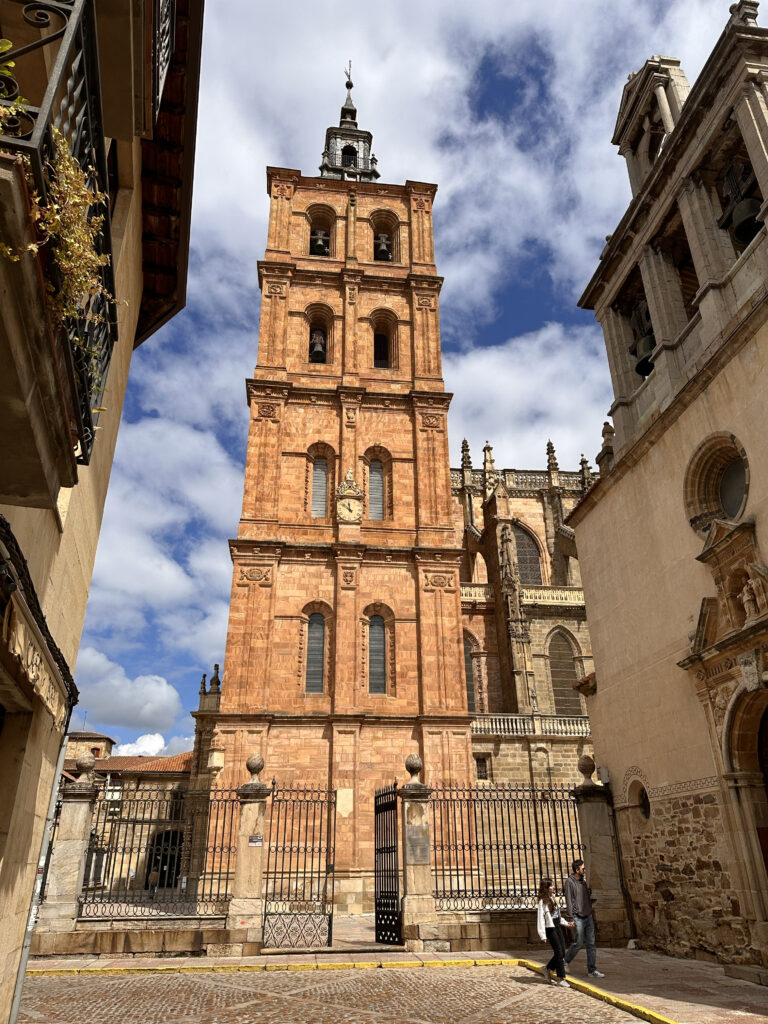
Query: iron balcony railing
x=531, y=725
x=51, y=80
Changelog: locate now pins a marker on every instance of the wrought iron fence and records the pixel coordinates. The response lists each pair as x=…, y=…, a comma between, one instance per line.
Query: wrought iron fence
x=491, y=845
x=299, y=873
x=51, y=80
x=160, y=853
x=388, y=915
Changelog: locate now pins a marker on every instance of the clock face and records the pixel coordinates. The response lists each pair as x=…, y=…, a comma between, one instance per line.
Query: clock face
x=349, y=510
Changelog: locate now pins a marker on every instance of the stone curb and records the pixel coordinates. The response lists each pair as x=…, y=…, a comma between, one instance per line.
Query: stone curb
x=581, y=986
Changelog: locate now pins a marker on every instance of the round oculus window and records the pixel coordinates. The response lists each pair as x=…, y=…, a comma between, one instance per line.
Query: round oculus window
x=733, y=487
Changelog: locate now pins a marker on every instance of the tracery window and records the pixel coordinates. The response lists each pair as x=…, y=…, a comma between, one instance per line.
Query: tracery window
x=562, y=670
x=528, y=558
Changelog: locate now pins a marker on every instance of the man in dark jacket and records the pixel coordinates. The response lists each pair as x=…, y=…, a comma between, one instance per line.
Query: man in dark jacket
x=578, y=903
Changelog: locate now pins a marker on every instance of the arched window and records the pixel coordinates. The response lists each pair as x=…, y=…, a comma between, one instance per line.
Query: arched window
x=384, y=326
x=528, y=558
x=320, y=232
x=385, y=237
x=381, y=351
x=319, y=487
x=377, y=655
x=376, y=490
x=562, y=670
x=318, y=344
x=315, y=653
x=470, y=674
x=349, y=156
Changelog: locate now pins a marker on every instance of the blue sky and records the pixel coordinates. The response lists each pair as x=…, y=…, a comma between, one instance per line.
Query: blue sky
x=509, y=108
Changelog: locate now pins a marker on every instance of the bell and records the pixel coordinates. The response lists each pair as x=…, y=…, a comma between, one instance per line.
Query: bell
x=745, y=223
x=645, y=346
x=317, y=347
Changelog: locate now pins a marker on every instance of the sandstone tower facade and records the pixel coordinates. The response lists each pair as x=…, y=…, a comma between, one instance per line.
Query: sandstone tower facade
x=344, y=648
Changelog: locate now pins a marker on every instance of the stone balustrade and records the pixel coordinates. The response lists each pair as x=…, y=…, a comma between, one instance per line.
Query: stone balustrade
x=531, y=725
x=552, y=595
x=476, y=592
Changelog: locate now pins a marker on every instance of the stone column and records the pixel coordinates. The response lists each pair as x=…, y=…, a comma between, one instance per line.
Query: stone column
x=418, y=903
x=67, y=865
x=601, y=855
x=751, y=113
x=246, y=908
x=711, y=247
x=618, y=341
x=661, y=283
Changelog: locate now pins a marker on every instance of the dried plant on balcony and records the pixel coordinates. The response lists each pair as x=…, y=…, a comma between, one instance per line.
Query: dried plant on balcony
x=63, y=224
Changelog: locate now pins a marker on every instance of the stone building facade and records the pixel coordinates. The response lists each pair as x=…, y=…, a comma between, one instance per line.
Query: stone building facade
x=119, y=81
x=378, y=602
x=672, y=538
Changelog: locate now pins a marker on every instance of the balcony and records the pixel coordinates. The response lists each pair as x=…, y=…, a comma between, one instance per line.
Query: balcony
x=531, y=725
x=51, y=372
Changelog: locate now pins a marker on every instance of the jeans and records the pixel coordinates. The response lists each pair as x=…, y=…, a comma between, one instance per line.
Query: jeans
x=556, y=941
x=585, y=933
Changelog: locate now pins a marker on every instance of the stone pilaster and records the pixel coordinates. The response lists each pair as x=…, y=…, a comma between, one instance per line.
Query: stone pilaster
x=751, y=113
x=246, y=908
x=418, y=903
x=67, y=866
x=664, y=296
x=711, y=246
x=601, y=855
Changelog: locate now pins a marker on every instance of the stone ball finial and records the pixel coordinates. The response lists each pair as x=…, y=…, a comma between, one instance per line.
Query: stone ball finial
x=414, y=766
x=255, y=765
x=586, y=766
x=85, y=763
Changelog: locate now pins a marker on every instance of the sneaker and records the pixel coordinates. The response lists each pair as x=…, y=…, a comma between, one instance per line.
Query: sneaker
x=595, y=974
x=562, y=983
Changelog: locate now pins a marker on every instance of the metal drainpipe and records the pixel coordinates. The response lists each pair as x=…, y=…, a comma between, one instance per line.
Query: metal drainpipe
x=34, y=903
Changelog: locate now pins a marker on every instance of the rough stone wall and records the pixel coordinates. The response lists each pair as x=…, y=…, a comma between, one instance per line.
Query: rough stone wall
x=677, y=872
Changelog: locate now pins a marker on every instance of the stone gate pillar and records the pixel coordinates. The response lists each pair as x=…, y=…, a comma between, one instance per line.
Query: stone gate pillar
x=58, y=913
x=418, y=902
x=601, y=856
x=246, y=908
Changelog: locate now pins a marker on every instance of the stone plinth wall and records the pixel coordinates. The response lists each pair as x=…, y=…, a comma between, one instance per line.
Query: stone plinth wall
x=684, y=899
x=460, y=931
x=144, y=938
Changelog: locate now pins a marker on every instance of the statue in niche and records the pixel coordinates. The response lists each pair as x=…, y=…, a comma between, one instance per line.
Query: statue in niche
x=748, y=598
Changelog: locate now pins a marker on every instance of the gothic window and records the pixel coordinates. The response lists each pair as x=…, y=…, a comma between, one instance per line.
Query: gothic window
x=470, y=674
x=528, y=558
x=319, y=487
x=377, y=655
x=562, y=670
x=376, y=490
x=349, y=156
x=315, y=653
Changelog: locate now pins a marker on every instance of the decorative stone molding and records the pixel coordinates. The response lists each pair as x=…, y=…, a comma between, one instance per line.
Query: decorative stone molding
x=24, y=642
x=256, y=575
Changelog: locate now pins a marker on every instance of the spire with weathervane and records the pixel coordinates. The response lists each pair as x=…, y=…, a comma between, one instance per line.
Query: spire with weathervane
x=347, y=154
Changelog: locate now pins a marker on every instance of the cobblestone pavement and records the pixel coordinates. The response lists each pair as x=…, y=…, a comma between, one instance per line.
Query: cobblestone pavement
x=444, y=995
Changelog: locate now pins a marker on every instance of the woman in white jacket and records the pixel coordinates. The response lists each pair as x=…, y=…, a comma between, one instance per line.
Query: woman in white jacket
x=548, y=925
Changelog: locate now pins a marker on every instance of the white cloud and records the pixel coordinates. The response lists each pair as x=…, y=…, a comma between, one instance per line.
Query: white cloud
x=153, y=744
x=112, y=699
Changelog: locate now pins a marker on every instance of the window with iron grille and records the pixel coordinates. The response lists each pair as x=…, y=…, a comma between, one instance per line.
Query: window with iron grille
x=562, y=669
x=376, y=490
x=315, y=653
x=481, y=768
x=470, y=674
x=377, y=655
x=320, y=488
x=528, y=558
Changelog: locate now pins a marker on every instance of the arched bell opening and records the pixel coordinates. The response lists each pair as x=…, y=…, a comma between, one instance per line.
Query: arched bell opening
x=385, y=239
x=322, y=222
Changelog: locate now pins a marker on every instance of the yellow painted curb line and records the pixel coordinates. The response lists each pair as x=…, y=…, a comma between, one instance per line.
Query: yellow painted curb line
x=651, y=1016
x=597, y=993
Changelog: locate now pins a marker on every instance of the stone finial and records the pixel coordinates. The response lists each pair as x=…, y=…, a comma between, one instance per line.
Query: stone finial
x=744, y=13
x=488, y=463
x=215, y=681
x=202, y=685
x=585, y=474
x=586, y=766
x=85, y=765
x=552, y=465
x=466, y=458
x=414, y=766
x=605, y=455
x=255, y=765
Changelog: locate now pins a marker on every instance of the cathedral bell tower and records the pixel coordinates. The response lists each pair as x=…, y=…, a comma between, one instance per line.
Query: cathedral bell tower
x=344, y=648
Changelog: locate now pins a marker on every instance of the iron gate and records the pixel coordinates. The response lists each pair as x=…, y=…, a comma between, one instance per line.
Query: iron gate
x=389, y=919
x=298, y=881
